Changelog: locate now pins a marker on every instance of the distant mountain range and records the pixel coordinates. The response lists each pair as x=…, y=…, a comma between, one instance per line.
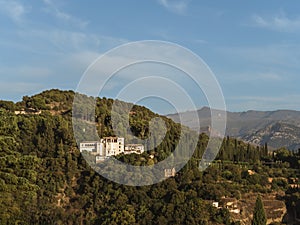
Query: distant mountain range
x=279, y=128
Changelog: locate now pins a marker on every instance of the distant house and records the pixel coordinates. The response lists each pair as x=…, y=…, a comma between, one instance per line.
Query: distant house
x=294, y=182
x=215, y=204
x=231, y=204
x=170, y=172
x=28, y=111
x=20, y=112
x=134, y=148
x=251, y=172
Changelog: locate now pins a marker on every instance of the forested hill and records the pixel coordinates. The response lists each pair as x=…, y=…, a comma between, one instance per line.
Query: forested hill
x=45, y=180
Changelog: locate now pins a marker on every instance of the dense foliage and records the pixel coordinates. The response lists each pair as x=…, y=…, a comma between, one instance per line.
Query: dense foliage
x=45, y=180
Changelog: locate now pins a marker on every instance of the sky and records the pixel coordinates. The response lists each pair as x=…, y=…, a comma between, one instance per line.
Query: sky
x=252, y=47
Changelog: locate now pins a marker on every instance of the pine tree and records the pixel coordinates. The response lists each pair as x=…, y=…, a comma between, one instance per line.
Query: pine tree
x=259, y=215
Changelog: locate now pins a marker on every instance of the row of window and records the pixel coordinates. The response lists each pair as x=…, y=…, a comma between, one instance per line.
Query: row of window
x=89, y=145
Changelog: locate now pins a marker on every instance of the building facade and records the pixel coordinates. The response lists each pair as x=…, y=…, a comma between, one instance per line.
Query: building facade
x=93, y=147
x=134, y=148
x=103, y=149
x=170, y=172
x=113, y=145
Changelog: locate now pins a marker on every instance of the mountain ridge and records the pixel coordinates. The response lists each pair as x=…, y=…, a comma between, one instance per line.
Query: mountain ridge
x=257, y=127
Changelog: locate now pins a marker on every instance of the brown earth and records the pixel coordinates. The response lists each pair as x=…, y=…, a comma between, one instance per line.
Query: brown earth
x=274, y=207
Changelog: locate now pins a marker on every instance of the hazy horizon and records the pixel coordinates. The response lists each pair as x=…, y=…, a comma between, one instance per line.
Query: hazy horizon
x=155, y=109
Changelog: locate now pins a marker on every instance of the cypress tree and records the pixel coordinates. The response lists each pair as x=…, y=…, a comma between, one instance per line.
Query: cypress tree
x=266, y=150
x=259, y=215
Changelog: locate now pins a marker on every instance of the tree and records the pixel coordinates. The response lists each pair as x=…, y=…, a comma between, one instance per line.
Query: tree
x=8, y=105
x=259, y=215
x=266, y=150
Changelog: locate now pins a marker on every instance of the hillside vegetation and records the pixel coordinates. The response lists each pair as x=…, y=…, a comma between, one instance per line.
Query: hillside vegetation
x=45, y=180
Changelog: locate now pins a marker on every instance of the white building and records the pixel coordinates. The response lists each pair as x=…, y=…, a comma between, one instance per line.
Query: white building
x=113, y=145
x=170, y=172
x=103, y=149
x=215, y=204
x=93, y=147
x=134, y=148
x=110, y=146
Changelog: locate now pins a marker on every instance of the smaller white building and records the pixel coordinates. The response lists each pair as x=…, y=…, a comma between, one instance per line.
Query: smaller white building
x=93, y=147
x=170, y=172
x=215, y=204
x=134, y=148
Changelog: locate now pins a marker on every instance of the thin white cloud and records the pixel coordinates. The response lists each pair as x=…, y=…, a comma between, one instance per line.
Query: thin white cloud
x=176, y=6
x=273, y=55
x=271, y=76
x=201, y=41
x=13, y=9
x=63, y=16
x=26, y=72
x=279, y=23
x=253, y=76
x=58, y=40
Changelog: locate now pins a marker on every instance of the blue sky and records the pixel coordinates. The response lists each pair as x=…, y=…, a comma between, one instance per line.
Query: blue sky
x=253, y=47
